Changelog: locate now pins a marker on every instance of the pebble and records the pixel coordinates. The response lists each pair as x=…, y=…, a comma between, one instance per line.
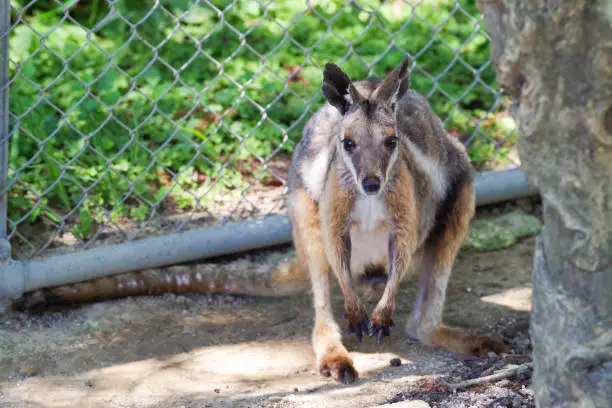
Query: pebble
x=395, y=362
x=503, y=383
x=28, y=372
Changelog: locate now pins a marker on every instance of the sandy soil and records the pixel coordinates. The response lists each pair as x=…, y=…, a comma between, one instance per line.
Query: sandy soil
x=221, y=351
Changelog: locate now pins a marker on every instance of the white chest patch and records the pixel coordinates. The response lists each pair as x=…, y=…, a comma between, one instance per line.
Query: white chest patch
x=369, y=239
x=369, y=212
x=435, y=171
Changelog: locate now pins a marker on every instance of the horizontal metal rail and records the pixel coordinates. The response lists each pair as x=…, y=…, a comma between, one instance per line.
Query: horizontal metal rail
x=18, y=277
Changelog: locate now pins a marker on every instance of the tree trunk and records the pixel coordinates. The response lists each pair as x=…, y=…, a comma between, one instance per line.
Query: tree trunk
x=554, y=57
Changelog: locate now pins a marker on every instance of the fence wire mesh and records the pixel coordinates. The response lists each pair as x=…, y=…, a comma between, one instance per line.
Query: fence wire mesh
x=136, y=118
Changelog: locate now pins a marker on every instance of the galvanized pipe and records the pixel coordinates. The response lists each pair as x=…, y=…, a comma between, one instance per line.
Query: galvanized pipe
x=18, y=277
x=502, y=185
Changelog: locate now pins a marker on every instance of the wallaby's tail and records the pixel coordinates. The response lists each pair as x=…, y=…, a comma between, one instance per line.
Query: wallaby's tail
x=280, y=278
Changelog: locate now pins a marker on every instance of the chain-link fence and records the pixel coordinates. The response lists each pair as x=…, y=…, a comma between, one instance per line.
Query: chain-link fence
x=136, y=118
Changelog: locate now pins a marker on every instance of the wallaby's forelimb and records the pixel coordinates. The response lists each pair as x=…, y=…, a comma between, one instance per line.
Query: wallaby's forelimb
x=332, y=357
x=334, y=213
x=402, y=245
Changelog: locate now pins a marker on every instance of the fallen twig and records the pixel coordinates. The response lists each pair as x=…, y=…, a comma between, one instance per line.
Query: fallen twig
x=494, y=368
x=493, y=377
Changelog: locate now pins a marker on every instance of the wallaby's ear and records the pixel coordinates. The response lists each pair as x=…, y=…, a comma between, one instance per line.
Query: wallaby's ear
x=396, y=84
x=338, y=89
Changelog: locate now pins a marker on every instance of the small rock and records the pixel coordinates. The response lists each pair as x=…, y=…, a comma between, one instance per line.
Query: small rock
x=217, y=390
x=27, y=372
x=395, y=362
x=468, y=290
x=503, y=383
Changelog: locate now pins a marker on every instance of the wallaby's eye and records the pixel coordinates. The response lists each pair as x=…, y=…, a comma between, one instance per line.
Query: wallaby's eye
x=391, y=142
x=349, y=144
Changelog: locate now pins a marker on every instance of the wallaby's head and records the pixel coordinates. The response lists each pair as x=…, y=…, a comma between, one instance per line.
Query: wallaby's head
x=367, y=145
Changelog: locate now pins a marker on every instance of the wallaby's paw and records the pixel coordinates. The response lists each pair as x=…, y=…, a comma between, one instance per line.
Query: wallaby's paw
x=358, y=320
x=381, y=325
x=380, y=331
x=359, y=328
x=482, y=345
x=339, y=367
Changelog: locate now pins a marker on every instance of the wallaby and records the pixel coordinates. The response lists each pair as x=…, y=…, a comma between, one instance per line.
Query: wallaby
x=376, y=186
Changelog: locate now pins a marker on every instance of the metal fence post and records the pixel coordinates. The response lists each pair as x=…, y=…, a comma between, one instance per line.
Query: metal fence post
x=5, y=22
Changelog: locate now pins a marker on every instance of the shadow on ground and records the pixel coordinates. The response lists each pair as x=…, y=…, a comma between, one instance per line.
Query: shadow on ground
x=197, y=351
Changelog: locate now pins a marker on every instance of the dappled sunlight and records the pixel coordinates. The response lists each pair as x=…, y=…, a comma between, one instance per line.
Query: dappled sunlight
x=257, y=367
x=516, y=298
x=202, y=371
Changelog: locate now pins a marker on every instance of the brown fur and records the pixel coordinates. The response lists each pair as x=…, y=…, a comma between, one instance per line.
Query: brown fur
x=456, y=229
x=241, y=277
x=332, y=356
x=404, y=210
x=339, y=365
x=460, y=341
x=379, y=164
x=443, y=249
x=334, y=212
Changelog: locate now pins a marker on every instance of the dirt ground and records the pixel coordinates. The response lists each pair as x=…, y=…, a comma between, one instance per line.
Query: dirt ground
x=222, y=351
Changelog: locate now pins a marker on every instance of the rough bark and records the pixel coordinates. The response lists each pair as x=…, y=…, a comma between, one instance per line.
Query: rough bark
x=554, y=57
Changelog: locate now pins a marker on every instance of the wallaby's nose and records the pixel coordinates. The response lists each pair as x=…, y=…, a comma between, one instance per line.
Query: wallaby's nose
x=371, y=184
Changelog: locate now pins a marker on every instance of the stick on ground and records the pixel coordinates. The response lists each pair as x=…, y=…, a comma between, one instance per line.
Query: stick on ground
x=493, y=377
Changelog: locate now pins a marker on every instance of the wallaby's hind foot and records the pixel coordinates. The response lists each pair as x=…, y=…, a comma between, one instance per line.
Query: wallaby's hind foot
x=461, y=341
x=339, y=365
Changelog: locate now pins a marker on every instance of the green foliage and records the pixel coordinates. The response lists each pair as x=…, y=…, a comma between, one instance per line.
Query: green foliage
x=131, y=100
x=501, y=232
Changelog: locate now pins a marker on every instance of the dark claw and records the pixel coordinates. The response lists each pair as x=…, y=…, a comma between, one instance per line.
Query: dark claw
x=348, y=376
x=380, y=331
x=356, y=329
x=379, y=337
x=359, y=328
